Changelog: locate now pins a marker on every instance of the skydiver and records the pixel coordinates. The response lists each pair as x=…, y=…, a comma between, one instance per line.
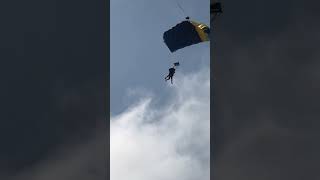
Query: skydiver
x=170, y=75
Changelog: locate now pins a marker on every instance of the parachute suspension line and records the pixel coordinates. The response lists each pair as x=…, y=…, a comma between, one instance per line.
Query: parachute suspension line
x=183, y=12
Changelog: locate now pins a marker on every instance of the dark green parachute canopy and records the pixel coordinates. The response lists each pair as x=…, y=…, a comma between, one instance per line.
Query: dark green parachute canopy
x=185, y=34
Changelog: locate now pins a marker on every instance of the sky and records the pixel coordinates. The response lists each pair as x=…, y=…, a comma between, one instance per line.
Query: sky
x=165, y=142
x=146, y=142
x=139, y=58
x=54, y=81
x=168, y=142
x=53, y=93
x=158, y=130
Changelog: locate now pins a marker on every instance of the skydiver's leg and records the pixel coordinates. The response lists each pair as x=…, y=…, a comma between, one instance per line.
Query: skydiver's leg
x=171, y=80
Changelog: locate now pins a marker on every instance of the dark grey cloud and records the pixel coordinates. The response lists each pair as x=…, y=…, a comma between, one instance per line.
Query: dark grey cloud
x=266, y=62
x=53, y=76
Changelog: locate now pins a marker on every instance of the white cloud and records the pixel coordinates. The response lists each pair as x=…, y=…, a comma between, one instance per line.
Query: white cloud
x=147, y=141
x=165, y=143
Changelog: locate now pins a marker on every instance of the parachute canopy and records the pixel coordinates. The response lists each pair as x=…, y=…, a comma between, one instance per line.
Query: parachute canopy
x=185, y=34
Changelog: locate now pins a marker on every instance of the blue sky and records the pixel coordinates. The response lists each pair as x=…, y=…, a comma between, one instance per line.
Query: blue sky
x=139, y=58
x=158, y=130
